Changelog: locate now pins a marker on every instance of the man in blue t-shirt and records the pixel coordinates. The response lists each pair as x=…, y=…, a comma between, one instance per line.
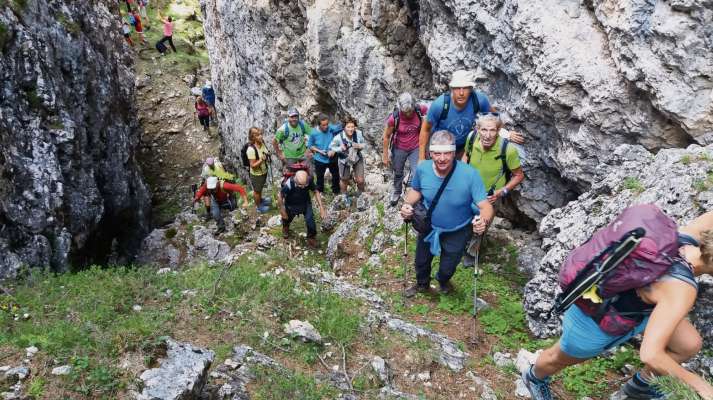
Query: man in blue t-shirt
x=324, y=159
x=457, y=115
x=452, y=220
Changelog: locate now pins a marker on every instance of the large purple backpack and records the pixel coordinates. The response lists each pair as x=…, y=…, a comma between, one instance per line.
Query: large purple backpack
x=632, y=251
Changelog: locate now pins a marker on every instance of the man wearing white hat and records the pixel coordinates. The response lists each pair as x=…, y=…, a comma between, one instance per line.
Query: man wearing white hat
x=455, y=111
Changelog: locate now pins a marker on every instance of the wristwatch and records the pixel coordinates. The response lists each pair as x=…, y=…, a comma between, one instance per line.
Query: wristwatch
x=504, y=192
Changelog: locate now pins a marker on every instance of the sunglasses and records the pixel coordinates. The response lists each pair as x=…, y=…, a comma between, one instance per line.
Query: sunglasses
x=490, y=113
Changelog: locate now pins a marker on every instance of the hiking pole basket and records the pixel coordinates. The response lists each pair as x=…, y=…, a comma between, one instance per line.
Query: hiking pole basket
x=597, y=270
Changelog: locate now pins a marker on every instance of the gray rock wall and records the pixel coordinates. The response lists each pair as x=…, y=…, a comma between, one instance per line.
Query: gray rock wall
x=578, y=79
x=70, y=189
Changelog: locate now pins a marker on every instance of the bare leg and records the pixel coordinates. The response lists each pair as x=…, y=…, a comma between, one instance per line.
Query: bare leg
x=552, y=361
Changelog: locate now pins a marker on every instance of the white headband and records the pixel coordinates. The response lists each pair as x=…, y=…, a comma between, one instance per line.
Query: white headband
x=442, y=148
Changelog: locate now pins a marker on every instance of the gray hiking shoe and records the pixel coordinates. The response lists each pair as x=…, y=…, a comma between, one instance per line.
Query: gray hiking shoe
x=637, y=389
x=539, y=388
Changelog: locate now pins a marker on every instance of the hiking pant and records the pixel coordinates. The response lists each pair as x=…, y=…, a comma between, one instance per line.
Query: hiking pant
x=205, y=122
x=215, y=208
x=321, y=168
x=168, y=39
x=452, y=248
x=309, y=219
x=398, y=162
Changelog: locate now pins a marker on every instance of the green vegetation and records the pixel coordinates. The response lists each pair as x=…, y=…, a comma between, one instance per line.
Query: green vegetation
x=170, y=233
x=704, y=184
x=33, y=98
x=686, y=159
x=273, y=384
x=588, y=379
x=69, y=25
x=4, y=36
x=633, y=184
x=674, y=388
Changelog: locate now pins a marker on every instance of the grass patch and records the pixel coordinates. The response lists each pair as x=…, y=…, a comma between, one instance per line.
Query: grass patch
x=588, y=379
x=69, y=25
x=633, y=184
x=702, y=185
x=34, y=100
x=271, y=384
x=675, y=388
x=686, y=159
x=170, y=233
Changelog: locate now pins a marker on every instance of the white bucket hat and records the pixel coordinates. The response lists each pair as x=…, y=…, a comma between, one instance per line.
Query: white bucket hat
x=461, y=78
x=212, y=182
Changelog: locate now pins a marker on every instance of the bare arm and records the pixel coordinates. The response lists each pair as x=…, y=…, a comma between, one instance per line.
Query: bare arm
x=281, y=205
x=388, y=131
x=278, y=151
x=423, y=139
x=699, y=225
x=518, y=175
x=486, y=216
x=412, y=197
x=674, y=300
x=318, y=197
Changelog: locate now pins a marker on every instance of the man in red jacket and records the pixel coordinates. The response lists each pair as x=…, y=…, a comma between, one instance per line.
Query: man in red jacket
x=221, y=196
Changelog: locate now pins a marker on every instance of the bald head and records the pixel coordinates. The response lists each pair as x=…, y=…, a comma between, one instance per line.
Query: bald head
x=301, y=178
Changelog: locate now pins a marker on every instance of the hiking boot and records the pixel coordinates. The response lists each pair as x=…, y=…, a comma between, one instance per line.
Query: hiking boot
x=417, y=288
x=538, y=388
x=312, y=242
x=394, y=200
x=263, y=209
x=285, y=231
x=266, y=202
x=638, y=389
x=445, y=287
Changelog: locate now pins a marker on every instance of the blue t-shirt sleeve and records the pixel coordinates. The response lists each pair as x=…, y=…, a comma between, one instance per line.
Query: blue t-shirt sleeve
x=477, y=190
x=311, y=141
x=434, y=111
x=416, y=180
x=483, y=102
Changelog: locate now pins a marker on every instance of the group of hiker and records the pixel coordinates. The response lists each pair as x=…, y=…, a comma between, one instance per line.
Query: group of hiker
x=462, y=166
x=138, y=18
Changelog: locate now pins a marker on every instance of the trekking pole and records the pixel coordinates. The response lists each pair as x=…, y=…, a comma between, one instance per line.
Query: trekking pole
x=476, y=256
x=194, y=188
x=405, y=257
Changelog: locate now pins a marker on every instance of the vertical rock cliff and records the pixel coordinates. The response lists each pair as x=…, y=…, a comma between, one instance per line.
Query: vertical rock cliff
x=578, y=78
x=70, y=189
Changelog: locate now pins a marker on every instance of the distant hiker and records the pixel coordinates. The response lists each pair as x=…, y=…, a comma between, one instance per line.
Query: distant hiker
x=128, y=5
x=221, y=194
x=126, y=30
x=203, y=112
x=498, y=163
x=597, y=322
x=324, y=158
x=258, y=160
x=452, y=221
x=294, y=199
x=133, y=15
x=455, y=111
x=290, y=142
x=144, y=15
x=401, y=141
x=348, y=146
x=167, y=30
x=209, y=96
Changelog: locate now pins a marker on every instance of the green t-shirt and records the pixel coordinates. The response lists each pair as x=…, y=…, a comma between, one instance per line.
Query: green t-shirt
x=294, y=142
x=262, y=154
x=489, y=166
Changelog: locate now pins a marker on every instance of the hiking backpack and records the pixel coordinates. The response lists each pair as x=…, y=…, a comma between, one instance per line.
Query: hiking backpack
x=132, y=20
x=505, y=170
x=244, y=154
x=293, y=168
x=480, y=103
x=635, y=249
x=161, y=47
x=396, y=116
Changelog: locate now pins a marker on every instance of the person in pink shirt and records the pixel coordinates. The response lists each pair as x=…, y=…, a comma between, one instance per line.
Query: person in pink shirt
x=401, y=141
x=167, y=31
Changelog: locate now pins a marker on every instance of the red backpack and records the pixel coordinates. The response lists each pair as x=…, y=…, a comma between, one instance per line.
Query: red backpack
x=632, y=251
x=292, y=169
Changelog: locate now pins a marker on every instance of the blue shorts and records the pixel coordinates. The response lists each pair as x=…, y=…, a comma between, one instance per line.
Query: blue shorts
x=582, y=337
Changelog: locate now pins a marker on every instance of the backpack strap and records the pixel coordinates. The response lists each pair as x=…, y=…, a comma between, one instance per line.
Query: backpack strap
x=286, y=130
x=503, y=158
x=396, y=114
x=302, y=126
x=470, y=140
x=446, y=107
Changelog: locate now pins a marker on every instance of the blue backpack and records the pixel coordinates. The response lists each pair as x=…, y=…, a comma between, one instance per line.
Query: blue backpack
x=132, y=20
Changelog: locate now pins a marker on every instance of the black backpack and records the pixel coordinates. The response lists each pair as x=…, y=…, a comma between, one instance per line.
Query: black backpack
x=161, y=47
x=244, y=154
x=472, y=137
x=395, y=114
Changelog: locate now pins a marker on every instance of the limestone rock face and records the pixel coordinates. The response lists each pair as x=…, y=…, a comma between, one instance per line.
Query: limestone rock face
x=578, y=78
x=70, y=188
x=679, y=181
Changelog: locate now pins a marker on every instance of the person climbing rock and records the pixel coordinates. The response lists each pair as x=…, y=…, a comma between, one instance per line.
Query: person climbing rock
x=220, y=194
x=294, y=199
x=453, y=219
x=167, y=30
x=657, y=309
x=348, y=146
x=211, y=167
x=203, y=112
x=324, y=159
x=455, y=111
x=258, y=158
x=401, y=141
x=290, y=142
x=208, y=94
